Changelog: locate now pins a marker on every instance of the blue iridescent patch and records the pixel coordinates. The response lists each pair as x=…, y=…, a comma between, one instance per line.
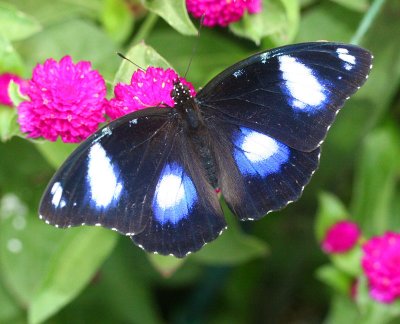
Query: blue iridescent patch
x=259, y=154
x=175, y=195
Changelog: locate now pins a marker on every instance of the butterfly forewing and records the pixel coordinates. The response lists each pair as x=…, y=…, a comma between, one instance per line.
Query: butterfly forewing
x=101, y=181
x=133, y=176
x=292, y=93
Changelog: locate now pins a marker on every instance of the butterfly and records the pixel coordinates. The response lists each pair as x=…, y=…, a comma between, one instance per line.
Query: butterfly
x=254, y=132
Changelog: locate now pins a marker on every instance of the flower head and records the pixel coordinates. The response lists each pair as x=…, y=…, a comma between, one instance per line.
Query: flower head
x=150, y=88
x=66, y=100
x=381, y=265
x=341, y=237
x=222, y=12
x=5, y=80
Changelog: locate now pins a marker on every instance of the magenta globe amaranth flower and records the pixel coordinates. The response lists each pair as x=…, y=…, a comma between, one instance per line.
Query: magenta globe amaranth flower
x=67, y=100
x=5, y=80
x=381, y=265
x=341, y=237
x=222, y=12
x=150, y=88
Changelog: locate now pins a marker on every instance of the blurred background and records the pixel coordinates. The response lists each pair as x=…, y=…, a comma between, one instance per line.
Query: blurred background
x=267, y=271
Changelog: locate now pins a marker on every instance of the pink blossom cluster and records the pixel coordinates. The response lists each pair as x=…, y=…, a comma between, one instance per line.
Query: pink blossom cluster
x=150, y=88
x=341, y=237
x=381, y=265
x=380, y=259
x=68, y=100
x=222, y=12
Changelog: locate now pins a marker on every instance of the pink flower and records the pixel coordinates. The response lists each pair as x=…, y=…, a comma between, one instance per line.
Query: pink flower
x=66, y=100
x=222, y=12
x=381, y=265
x=5, y=80
x=341, y=237
x=150, y=88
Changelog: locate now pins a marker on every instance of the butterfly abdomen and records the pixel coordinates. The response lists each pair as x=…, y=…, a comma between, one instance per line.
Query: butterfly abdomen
x=200, y=140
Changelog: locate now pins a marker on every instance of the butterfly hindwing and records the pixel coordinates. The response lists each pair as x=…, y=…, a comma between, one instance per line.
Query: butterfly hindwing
x=132, y=177
x=259, y=174
x=186, y=210
x=292, y=93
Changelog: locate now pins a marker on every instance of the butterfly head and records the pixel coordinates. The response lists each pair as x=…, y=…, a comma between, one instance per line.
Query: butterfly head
x=180, y=93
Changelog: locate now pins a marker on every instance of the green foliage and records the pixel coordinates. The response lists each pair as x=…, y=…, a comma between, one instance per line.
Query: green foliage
x=15, y=25
x=116, y=19
x=272, y=20
x=174, y=13
x=82, y=274
x=376, y=185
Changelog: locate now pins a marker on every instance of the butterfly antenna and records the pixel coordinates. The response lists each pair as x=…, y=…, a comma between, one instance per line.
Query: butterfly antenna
x=195, y=46
x=125, y=58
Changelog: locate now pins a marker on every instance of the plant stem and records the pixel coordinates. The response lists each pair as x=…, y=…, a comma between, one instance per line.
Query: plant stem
x=367, y=21
x=145, y=28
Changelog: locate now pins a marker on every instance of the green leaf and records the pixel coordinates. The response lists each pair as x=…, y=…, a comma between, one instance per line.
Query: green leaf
x=287, y=33
x=372, y=311
x=358, y=5
x=330, y=211
x=15, y=25
x=10, y=311
x=375, y=183
x=174, y=13
x=55, y=152
x=10, y=61
x=232, y=247
x=142, y=55
x=334, y=23
x=53, y=12
x=15, y=94
x=117, y=19
x=24, y=244
x=81, y=39
x=8, y=123
x=223, y=50
x=127, y=296
x=349, y=262
x=342, y=310
x=71, y=268
x=270, y=20
x=335, y=278
x=166, y=265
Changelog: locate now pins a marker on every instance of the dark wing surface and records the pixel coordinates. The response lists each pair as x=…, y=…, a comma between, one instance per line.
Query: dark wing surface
x=292, y=93
x=133, y=177
x=258, y=174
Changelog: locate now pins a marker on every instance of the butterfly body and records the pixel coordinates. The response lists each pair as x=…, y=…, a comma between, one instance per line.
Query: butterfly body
x=254, y=131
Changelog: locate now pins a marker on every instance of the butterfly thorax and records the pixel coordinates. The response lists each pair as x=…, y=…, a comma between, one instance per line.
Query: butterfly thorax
x=195, y=129
x=186, y=106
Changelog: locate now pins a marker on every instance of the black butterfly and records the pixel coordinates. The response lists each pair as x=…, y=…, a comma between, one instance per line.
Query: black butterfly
x=254, y=131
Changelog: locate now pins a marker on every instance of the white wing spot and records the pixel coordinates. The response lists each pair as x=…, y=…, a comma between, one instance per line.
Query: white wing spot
x=102, y=177
x=301, y=83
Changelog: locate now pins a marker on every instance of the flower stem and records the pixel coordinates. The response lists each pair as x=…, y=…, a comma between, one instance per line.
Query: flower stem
x=145, y=28
x=367, y=21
